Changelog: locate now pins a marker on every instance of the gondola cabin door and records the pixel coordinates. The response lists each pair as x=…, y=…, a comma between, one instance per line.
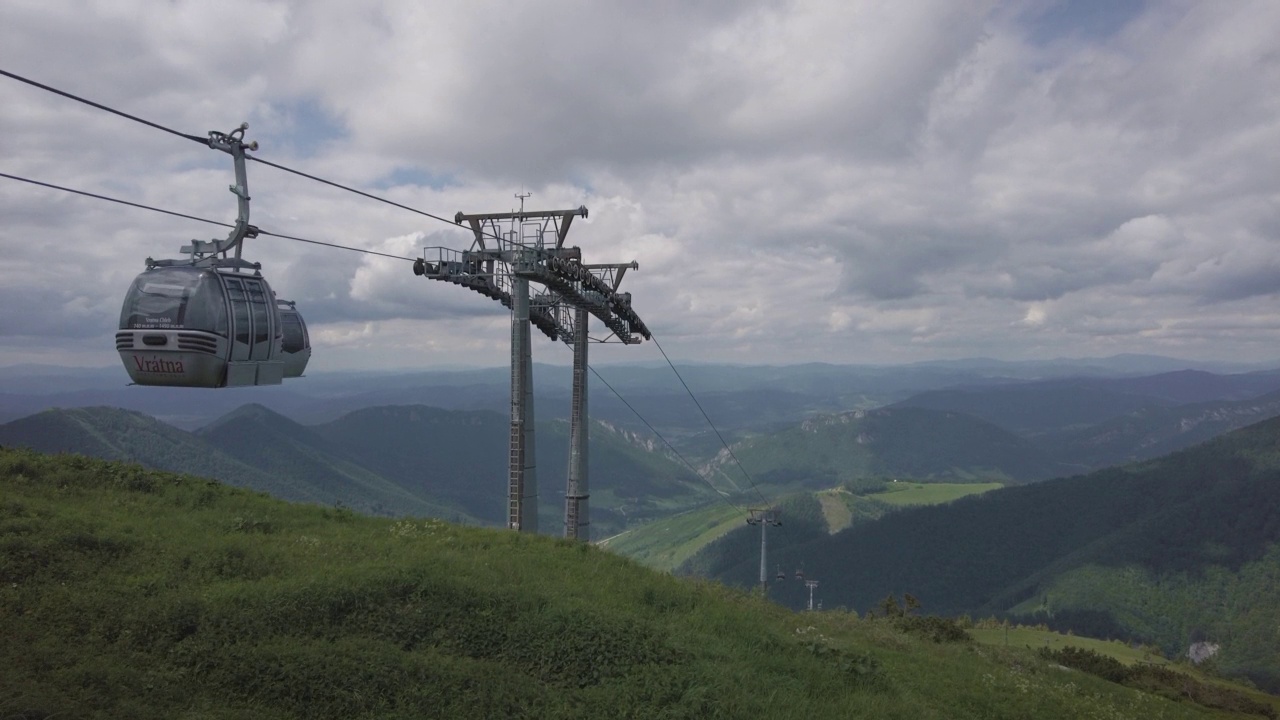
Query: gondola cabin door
x=255, y=342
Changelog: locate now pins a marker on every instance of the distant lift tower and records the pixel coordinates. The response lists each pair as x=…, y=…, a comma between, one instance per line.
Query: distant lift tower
x=509, y=251
x=764, y=518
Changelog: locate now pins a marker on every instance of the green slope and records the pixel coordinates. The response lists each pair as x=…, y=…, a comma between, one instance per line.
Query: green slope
x=132, y=593
x=667, y=543
x=912, y=493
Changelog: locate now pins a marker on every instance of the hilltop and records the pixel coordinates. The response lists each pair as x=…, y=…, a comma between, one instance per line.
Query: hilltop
x=127, y=592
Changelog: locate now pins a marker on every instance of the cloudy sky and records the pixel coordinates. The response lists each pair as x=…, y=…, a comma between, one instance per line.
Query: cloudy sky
x=851, y=181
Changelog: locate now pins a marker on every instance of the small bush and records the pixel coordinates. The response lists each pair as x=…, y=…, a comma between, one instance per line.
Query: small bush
x=1179, y=686
x=1094, y=663
x=252, y=525
x=862, y=669
x=931, y=627
x=1159, y=681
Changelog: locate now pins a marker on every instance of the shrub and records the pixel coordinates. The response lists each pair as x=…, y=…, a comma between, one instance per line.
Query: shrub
x=1094, y=663
x=932, y=627
x=1179, y=686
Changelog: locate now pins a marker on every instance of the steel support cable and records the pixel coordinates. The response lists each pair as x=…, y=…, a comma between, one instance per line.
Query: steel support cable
x=745, y=474
x=198, y=219
x=362, y=193
x=100, y=106
x=205, y=141
x=114, y=200
x=670, y=447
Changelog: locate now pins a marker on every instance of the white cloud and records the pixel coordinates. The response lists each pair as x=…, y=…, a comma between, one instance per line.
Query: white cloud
x=852, y=181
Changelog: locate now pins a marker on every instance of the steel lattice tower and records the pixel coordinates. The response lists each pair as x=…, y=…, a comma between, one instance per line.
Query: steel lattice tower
x=509, y=251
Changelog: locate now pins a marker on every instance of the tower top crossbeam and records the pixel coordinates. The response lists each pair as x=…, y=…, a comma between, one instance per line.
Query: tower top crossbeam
x=530, y=245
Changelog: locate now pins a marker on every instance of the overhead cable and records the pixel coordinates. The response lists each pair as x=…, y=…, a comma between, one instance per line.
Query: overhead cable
x=199, y=219
x=670, y=447
x=114, y=200
x=100, y=106
x=362, y=193
x=205, y=141
x=708, y=419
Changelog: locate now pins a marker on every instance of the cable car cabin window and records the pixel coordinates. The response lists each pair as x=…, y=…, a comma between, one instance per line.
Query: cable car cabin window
x=175, y=298
x=295, y=337
x=239, y=310
x=258, y=303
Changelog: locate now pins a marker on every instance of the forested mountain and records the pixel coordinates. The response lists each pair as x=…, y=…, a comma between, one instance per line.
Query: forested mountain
x=288, y=451
x=888, y=442
x=1156, y=431
x=114, y=434
x=396, y=460
x=252, y=448
x=462, y=457
x=1202, y=522
x=1062, y=405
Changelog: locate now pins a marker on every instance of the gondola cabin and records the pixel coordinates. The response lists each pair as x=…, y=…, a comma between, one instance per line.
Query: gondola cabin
x=296, y=345
x=207, y=326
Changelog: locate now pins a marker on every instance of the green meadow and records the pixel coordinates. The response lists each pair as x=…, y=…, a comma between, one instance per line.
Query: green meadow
x=914, y=493
x=126, y=592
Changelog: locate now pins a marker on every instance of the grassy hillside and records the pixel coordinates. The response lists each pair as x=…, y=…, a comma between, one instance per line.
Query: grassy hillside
x=913, y=493
x=1127, y=654
x=132, y=593
x=665, y=544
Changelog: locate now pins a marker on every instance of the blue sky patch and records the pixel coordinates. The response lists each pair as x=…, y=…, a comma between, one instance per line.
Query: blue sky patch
x=414, y=176
x=301, y=127
x=1090, y=20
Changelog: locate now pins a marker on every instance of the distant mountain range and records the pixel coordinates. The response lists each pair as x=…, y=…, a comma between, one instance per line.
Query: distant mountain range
x=1056, y=405
x=1089, y=423
x=420, y=459
x=253, y=448
x=888, y=442
x=396, y=460
x=741, y=399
